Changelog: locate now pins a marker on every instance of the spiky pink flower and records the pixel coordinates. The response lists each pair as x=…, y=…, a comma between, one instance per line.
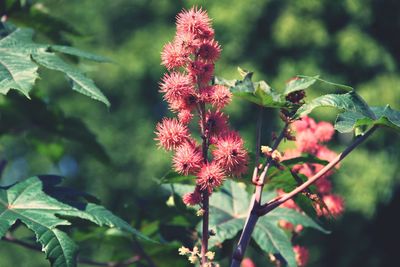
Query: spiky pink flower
x=187, y=159
x=335, y=205
x=173, y=56
x=185, y=116
x=195, y=21
x=324, y=131
x=171, y=133
x=176, y=86
x=302, y=255
x=187, y=42
x=210, y=176
x=209, y=50
x=230, y=154
x=221, y=96
x=201, y=72
x=187, y=102
x=216, y=122
x=193, y=198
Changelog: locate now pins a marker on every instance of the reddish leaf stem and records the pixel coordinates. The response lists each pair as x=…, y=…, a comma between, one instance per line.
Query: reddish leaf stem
x=257, y=210
x=271, y=205
x=255, y=203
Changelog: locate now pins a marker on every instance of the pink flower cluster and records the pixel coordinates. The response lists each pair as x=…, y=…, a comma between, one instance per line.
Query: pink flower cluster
x=187, y=89
x=310, y=138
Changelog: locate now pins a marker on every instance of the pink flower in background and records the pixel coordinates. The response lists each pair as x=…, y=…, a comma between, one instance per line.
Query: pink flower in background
x=335, y=205
x=324, y=131
x=171, y=133
x=302, y=255
x=247, y=262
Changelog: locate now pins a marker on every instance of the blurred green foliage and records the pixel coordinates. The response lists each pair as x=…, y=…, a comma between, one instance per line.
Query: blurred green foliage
x=352, y=42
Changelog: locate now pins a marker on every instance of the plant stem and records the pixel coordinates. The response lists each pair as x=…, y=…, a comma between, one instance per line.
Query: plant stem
x=282, y=199
x=206, y=196
x=256, y=210
x=255, y=203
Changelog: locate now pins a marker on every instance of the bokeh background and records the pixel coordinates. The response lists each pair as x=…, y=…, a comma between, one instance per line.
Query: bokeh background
x=355, y=42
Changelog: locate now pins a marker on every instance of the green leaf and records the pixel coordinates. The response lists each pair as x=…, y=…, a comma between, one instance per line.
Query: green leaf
x=385, y=116
x=228, y=211
x=299, y=83
x=27, y=202
x=273, y=239
x=80, y=82
x=304, y=158
x=19, y=59
x=78, y=53
x=350, y=101
x=259, y=93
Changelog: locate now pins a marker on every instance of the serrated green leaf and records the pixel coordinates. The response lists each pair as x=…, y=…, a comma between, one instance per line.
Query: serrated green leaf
x=271, y=238
x=299, y=83
x=18, y=71
x=80, y=82
x=259, y=93
x=27, y=202
x=350, y=101
x=385, y=116
x=228, y=212
x=78, y=53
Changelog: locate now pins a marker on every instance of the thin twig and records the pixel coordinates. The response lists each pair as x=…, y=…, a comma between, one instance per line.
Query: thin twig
x=255, y=203
x=282, y=199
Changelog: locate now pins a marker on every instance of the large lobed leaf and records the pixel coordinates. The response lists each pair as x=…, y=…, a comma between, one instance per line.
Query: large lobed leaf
x=384, y=116
x=259, y=93
x=228, y=212
x=27, y=202
x=350, y=101
x=20, y=57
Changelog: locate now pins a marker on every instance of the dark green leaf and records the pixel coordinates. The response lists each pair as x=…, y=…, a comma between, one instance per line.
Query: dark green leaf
x=18, y=71
x=78, y=53
x=350, y=101
x=304, y=158
x=385, y=116
x=299, y=83
x=27, y=202
x=80, y=82
x=259, y=93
